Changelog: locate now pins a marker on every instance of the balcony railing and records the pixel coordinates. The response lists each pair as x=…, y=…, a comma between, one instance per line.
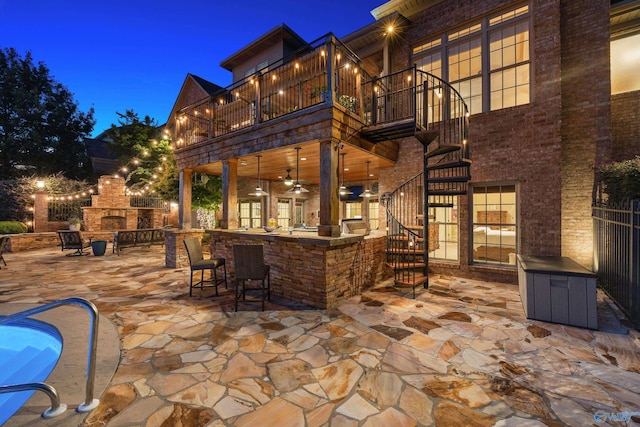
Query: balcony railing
x=326, y=72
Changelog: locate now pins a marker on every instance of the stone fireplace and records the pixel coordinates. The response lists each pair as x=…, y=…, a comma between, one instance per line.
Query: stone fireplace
x=111, y=209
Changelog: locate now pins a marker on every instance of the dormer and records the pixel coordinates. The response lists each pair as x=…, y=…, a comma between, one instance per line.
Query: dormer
x=266, y=51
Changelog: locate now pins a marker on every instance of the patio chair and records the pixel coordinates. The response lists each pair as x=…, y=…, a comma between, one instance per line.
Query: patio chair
x=250, y=266
x=4, y=241
x=198, y=263
x=71, y=239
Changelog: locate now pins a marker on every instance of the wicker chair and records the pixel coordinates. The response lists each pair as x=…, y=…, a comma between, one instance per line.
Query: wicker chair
x=250, y=266
x=4, y=241
x=70, y=239
x=198, y=263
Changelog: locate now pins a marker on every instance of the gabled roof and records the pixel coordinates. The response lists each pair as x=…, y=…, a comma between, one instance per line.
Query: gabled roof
x=275, y=35
x=206, y=87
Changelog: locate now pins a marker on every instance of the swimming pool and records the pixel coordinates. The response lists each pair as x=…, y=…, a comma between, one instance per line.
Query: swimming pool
x=29, y=350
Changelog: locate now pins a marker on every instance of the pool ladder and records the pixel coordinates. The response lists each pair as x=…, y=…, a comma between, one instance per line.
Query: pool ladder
x=58, y=408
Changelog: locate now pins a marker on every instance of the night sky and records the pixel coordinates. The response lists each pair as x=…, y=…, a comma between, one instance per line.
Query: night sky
x=117, y=55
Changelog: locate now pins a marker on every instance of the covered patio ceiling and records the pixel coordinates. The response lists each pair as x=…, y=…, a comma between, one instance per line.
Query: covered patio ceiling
x=274, y=164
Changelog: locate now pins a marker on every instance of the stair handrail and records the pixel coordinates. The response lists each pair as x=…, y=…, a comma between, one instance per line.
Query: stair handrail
x=90, y=403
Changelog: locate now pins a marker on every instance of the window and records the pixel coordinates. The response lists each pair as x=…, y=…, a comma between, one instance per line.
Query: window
x=374, y=208
x=491, y=54
x=443, y=227
x=625, y=62
x=509, y=65
x=353, y=210
x=250, y=213
x=494, y=224
x=284, y=213
x=465, y=71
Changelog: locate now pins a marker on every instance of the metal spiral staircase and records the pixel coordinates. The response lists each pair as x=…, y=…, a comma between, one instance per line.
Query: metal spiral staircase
x=413, y=103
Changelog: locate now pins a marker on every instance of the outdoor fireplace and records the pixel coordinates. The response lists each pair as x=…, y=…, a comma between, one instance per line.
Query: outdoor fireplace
x=113, y=222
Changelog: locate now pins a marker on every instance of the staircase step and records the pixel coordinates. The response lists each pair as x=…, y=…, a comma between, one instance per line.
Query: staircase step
x=400, y=251
x=405, y=265
x=463, y=178
x=389, y=130
x=442, y=149
x=426, y=137
x=419, y=279
x=404, y=238
x=449, y=164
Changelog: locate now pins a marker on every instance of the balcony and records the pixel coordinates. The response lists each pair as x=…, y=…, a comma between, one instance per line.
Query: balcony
x=324, y=73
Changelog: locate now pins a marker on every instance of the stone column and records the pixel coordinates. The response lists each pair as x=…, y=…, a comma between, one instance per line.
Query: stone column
x=175, y=254
x=40, y=212
x=184, y=210
x=329, y=203
x=229, y=218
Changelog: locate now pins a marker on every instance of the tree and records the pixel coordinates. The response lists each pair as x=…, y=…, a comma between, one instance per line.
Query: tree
x=139, y=145
x=151, y=167
x=41, y=127
x=622, y=180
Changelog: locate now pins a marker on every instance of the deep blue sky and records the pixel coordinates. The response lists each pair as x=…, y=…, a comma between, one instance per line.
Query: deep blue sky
x=116, y=55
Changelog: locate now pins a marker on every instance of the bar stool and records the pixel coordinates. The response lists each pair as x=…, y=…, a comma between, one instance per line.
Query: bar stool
x=198, y=263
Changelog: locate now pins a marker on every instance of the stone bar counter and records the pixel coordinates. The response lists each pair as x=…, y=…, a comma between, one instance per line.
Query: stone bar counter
x=307, y=268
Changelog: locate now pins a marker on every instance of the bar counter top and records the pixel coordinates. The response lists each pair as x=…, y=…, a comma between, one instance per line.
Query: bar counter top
x=298, y=235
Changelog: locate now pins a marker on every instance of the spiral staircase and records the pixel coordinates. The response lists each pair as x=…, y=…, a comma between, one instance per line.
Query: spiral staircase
x=413, y=103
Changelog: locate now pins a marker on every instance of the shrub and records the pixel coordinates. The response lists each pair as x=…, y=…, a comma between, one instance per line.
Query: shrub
x=12, y=227
x=621, y=180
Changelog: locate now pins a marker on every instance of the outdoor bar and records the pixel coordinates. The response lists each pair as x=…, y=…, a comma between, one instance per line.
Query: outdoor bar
x=315, y=270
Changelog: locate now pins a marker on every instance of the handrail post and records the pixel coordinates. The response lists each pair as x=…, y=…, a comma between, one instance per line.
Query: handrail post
x=634, y=248
x=56, y=407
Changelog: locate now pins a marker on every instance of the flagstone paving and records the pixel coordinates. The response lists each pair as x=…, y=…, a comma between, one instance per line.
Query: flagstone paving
x=461, y=353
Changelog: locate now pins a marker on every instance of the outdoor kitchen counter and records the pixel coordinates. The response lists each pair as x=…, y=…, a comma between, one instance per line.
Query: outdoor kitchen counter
x=302, y=236
x=311, y=269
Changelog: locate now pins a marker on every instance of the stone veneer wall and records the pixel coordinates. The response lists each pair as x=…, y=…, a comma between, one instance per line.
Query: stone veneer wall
x=32, y=241
x=175, y=253
x=316, y=275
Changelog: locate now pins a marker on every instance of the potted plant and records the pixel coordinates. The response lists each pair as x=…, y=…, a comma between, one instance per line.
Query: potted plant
x=75, y=223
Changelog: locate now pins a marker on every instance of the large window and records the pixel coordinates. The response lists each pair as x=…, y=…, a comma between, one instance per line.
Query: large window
x=509, y=60
x=353, y=210
x=494, y=225
x=284, y=213
x=250, y=213
x=499, y=41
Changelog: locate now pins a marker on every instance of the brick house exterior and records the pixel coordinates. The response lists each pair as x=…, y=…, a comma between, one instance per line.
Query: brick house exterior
x=543, y=152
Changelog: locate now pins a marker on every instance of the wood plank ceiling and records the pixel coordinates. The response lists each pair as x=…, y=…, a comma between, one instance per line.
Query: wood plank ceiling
x=274, y=164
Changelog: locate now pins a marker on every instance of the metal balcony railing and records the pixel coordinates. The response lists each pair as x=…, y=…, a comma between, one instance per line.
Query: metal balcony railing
x=325, y=72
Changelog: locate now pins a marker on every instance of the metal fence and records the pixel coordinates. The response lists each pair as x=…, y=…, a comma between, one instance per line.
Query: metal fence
x=62, y=210
x=147, y=202
x=616, y=234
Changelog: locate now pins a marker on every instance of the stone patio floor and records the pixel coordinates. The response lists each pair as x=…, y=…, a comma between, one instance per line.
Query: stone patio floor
x=461, y=353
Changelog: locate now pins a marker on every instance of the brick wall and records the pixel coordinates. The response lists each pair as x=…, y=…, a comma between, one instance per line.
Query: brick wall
x=586, y=118
x=520, y=145
x=625, y=125
x=315, y=274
